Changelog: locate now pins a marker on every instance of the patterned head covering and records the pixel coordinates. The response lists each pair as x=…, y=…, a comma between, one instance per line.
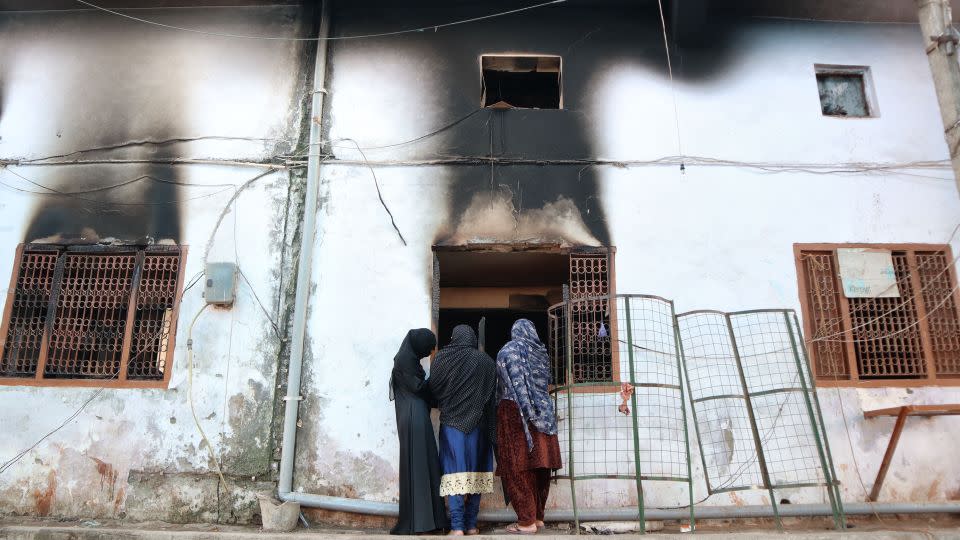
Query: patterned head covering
x=524, y=369
x=464, y=382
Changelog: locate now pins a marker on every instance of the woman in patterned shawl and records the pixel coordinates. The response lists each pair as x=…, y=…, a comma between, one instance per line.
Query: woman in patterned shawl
x=528, y=449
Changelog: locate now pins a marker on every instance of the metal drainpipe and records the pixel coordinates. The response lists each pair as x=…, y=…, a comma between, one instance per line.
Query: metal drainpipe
x=288, y=448
x=358, y=506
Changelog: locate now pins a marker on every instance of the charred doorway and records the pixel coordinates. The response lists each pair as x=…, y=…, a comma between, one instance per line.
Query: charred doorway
x=500, y=285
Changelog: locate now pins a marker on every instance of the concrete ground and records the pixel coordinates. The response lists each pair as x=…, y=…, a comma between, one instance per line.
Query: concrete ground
x=891, y=528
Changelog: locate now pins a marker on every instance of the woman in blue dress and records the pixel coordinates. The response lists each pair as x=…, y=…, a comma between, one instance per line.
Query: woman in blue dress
x=463, y=380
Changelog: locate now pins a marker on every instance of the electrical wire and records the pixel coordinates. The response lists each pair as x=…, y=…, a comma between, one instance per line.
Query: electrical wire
x=383, y=203
x=433, y=27
x=147, y=142
x=673, y=92
x=433, y=133
x=113, y=203
x=276, y=328
x=112, y=186
x=193, y=410
x=226, y=208
x=12, y=461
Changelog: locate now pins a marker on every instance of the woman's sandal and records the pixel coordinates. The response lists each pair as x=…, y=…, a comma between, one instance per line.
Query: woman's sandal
x=515, y=529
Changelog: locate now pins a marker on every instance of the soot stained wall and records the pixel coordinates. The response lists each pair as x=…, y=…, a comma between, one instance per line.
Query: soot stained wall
x=80, y=80
x=588, y=39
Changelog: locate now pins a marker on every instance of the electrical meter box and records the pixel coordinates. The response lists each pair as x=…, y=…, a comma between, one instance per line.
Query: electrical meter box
x=221, y=283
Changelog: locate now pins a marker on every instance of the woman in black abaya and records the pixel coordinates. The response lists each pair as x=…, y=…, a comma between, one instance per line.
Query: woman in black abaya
x=421, y=508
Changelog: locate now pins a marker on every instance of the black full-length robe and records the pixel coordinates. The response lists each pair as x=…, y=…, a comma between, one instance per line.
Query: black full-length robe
x=421, y=507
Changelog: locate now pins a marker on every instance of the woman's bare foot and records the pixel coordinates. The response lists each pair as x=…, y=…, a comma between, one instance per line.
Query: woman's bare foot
x=455, y=533
x=473, y=532
x=516, y=528
x=540, y=525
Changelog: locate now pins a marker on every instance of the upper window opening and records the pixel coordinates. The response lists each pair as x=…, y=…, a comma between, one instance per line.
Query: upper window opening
x=92, y=316
x=523, y=82
x=845, y=91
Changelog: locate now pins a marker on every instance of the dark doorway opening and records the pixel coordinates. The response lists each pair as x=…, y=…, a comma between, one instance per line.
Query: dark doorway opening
x=498, y=324
x=500, y=286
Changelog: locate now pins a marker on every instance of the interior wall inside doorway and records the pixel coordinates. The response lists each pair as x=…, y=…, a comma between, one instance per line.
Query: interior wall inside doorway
x=500, y=287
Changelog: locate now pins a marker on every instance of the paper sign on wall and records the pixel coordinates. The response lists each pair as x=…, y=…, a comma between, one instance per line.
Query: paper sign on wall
x=867, y=273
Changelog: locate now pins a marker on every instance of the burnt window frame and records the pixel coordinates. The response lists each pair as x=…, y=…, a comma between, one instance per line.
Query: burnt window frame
x=138, y=284
x=483, y=87
x=866, y=77
x=844, y=346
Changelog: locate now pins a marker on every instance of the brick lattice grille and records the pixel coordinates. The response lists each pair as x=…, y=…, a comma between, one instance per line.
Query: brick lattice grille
x=90, y=322
x=151, y=328
x=106, y=314
x=28, y=316
x=824, y=298
x=592, y=355
x=886, y=331
x=942, y=320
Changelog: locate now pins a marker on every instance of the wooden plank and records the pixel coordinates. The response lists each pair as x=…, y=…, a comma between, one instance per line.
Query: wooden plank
x=131, y=315
x=888, y=455
x=848, y=334
x=915, y=410
x=920, y=306
x=11, y=296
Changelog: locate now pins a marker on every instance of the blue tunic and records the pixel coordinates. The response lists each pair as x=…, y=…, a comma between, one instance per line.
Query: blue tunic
x=466, y=460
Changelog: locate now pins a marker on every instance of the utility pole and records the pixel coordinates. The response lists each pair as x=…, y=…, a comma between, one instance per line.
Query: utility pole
x=941, y=40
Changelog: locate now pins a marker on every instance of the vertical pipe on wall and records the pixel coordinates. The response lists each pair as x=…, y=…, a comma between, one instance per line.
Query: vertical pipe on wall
x=304, y=264
x=941, y=40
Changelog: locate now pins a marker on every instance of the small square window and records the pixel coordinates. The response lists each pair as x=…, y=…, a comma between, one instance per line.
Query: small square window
x=845, y=91
x=523, y=82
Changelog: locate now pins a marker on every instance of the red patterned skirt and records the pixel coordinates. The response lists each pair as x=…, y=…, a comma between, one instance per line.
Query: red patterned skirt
x=513, y=455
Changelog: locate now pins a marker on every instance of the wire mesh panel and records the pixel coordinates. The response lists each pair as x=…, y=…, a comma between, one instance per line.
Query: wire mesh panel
x=638, y=419
x=632, y=425
x=942, y=319
x=156, y=293
x=726, y=434
x=781, y=437
x=91, y=315
x=602, y=441
x=28, y=313
x=770, y=367
x=556, y=342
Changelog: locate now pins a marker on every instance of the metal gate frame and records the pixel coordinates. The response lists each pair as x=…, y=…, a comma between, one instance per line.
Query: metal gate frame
x=809, y=419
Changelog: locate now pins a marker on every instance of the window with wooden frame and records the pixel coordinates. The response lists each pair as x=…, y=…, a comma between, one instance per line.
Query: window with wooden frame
x=911, y=339
x=91, y=316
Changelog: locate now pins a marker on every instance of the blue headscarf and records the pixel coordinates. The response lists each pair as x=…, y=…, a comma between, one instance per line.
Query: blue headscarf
x=524, y=370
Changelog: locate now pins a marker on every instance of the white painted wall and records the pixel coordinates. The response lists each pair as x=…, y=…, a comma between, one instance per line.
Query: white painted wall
x=715, y=237
x=74, y=80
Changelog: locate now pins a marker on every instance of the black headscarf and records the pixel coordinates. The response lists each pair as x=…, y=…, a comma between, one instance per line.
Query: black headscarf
x=406, y=363
x=464, y=382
